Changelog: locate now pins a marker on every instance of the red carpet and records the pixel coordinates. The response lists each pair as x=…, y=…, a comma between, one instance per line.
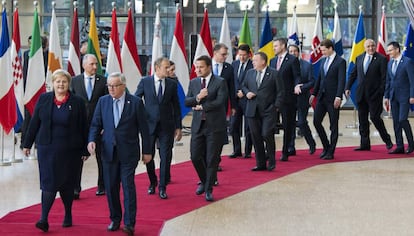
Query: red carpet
x=90, y=213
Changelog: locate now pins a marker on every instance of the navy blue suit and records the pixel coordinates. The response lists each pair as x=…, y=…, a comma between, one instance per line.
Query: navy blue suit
x=121, y=151
x=240, y=107
x=163, y=119
x=399, y=88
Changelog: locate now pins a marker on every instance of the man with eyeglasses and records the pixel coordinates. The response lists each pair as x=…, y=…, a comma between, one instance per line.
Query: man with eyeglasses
x=90, y=86
x=123, y=119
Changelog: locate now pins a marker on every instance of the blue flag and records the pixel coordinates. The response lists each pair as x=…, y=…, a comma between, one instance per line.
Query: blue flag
x=409, y=48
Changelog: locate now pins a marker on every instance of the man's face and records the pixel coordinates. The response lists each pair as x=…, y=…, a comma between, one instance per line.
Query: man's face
x=202, y=69
x=115, y=87
x=162, y=70
x=90, y=65
x=243, y=56
x=326, y=51
x=278, y=48
x=393, y=52
x=294, y=51
x=220, y=55
x=369, y=46
x=258, y=62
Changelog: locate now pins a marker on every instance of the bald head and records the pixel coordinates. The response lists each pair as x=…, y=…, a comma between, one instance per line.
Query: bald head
x=369, y=46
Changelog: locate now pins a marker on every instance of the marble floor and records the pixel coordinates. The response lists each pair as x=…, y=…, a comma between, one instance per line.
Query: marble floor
x=352, y=198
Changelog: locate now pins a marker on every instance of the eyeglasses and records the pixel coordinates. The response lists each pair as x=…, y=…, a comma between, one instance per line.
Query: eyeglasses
x=112, y=86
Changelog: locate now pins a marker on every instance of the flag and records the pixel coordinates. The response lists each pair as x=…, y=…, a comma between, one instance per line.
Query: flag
x=16, y=63
x=93, y=41
x=35, y=82
x=316, y=55
x=293, y=31
x=55, y=52
x=8, y=115
x=74, y=63
x=245, y=32
x=204, y=45
x=129, y=56
x=357, y=49
x=157, y=40
x=113, y=63
x=382, y=37
x=225, y=37
x=179, y=56
x=266, y=41
x=337, y=35
x=409, y=48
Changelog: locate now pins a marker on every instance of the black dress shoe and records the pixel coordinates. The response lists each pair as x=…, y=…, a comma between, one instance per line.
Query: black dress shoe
x=200, y=189
x=234, y=155
x=271, y=167
x=42, y=225
x=100, y=192
x=113, y=226
x=258, y=168
x=129, y=230
x=328, y=157
x=216, y=183
x=397, y=151
x=363, y=148
x=151, y=189
x=163, y=194
x=312, y=149
x=67, y=222
x=388, y=145
x=219, y=168
x=76, y=195
x=284, y=157
x=291, y=153
x=410, y=149
x=247, y=156
x=209, y=197
x=323, y=153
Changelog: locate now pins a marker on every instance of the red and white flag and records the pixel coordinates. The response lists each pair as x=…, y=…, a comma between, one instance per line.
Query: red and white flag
x=113, y=63
x=382, y=37
x=17, y=70
x=55, y=52
x=74, y=63
x=129, y=56
x=225, y=37
x=204, y=45
x=157, y=40
x=316, y=55
x=8, y=115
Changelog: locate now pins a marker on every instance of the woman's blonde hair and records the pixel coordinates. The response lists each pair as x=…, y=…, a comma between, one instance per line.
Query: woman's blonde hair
x=61, y=72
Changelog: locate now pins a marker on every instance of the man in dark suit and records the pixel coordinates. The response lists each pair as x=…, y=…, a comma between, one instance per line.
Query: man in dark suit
x=399, y=93
x=303, y=91
x=164, y=120
x=329, y=88
x=288, y=69
x=207, y=95
x=90, y=86
x=265, y=94
x=370, y=73
x=122, y=117
x=240, y=66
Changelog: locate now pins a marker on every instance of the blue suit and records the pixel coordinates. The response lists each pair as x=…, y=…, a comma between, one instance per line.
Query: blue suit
x=163, y=119
x=399, y=88
x=121, y=151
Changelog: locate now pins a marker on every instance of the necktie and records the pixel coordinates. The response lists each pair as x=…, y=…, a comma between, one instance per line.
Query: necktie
x=89, y=88
x=394, y=67
x=203, y=83
x=366, y=64
x=116, y=112
x=258, y=78
x=279, y=63
x=215, y=71
x=160, y=92
x=326, y=66
x=241, y=69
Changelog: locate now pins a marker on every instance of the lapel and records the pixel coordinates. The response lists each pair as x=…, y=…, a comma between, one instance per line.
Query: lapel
x=265, y=76
x=81, y=84
x=332, y=64
x=98, y=81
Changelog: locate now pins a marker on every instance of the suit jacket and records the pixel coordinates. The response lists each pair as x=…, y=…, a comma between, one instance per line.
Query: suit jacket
x=269, y=95
x=168, y=112
x=371, y=85
x=401, y=85
x=228, y=76
x=332, y=84
x=289, y=73
x=40, y=128
x=306, y=77
x=126, y=136
x=214, y=105
x=99, y=89
x=238, y=79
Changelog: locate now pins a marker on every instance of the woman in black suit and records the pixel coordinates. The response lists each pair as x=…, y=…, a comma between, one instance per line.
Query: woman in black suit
x=59, y=127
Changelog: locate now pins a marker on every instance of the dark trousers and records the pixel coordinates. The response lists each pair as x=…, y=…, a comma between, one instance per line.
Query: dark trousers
x=322, y=107
x=78, y=175
x=400, y=121
x=205, y=151
x=115, y=173
x=262, y=130
x=288, y=111
x=237, y=121
x=302, y=123
x=165, y=143
x=373, y=109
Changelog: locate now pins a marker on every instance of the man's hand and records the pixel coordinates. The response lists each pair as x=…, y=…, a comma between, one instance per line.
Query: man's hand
x=91, y=148
x=146, y=158
x=387, y=105
x=240, y=94
x=411, y=100
x=311, y=99
x=178, y=134
x=298, y=89
x=203, y=93
x=250, y=95
x=198, y=108
x=347, y=93
x=337, y=103
x=26, y=152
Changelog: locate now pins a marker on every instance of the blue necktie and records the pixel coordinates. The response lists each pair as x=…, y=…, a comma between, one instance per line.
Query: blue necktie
x=215, y=70
x=326, y=66
x=160, y=92
x=116, y=112
x=394, y=67
x=366, y=64
x=89, y=88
